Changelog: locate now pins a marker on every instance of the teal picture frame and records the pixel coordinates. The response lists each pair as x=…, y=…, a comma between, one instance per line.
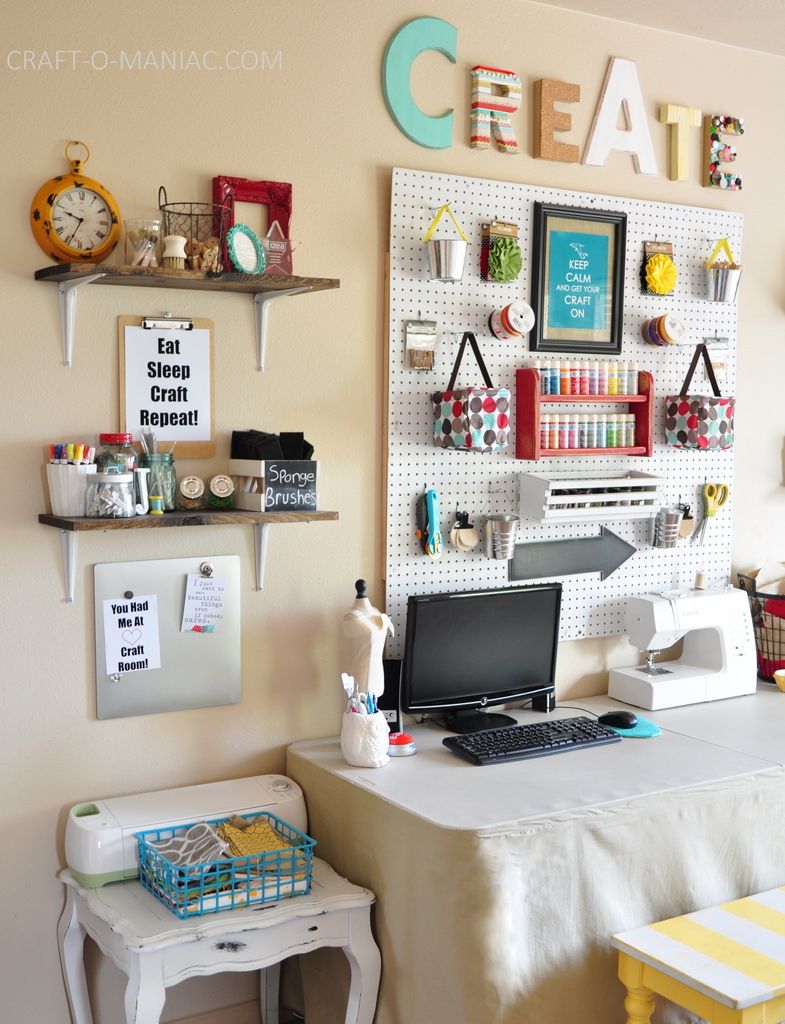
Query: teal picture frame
x=578, y=260
x=245, y=250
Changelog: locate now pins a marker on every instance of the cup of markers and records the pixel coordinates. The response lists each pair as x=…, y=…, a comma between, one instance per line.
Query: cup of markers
x=364, y=732
x=69, y=471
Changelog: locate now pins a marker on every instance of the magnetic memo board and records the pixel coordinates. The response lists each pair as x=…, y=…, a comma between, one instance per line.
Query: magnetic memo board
x=197, y=670
x=591, y=607
x=187, y=396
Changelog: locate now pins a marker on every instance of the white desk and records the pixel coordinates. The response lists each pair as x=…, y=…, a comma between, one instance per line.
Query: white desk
x=499, y=887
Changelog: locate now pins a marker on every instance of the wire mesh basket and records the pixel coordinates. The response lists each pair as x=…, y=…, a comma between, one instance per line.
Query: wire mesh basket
x=768, y=620
x=264, y=873
x=199, y=221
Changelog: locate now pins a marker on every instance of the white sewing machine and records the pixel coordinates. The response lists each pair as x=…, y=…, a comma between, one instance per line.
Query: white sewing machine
x=718, y=657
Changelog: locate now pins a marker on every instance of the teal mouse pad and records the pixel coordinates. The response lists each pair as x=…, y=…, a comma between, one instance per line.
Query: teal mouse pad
x=644, y=728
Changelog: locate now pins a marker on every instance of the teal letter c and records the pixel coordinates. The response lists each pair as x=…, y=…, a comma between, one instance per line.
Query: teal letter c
x=402, y=50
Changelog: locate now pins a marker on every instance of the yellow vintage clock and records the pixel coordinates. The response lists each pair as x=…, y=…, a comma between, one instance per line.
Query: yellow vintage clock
x=74, y=218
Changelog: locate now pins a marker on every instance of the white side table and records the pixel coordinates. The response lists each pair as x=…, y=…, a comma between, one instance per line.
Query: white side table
x=156, y=949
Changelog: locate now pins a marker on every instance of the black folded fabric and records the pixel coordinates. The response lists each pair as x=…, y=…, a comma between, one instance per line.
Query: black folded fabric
x=257, y=444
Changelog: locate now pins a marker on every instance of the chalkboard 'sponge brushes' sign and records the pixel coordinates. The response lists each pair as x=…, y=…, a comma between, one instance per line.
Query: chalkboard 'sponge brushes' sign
x=273, y=485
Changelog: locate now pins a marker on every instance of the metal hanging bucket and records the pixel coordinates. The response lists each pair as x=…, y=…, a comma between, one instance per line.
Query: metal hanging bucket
x=722, y=278
x=446, y=256
x=723, y=283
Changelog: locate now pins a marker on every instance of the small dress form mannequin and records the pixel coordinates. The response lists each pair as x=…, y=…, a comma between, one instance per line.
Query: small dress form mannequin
x=366, y=628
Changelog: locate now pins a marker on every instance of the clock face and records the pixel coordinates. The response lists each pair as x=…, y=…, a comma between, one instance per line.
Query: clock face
x=81, y=219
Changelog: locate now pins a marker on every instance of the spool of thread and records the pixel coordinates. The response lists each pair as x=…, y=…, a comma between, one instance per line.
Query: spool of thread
x=156, y=505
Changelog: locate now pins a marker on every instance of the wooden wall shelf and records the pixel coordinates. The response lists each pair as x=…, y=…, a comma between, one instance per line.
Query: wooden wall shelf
x=69, y=277
x=71, y=526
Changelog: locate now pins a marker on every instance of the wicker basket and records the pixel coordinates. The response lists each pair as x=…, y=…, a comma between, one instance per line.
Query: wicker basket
x=768, y=619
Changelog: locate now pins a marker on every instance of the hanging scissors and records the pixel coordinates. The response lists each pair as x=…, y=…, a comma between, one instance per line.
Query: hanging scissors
x=714, y=497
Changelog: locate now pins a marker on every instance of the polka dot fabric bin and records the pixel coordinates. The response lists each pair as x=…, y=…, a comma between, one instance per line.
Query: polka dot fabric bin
x=699, y=421
x=475, y=419
x=472, y=419
x=703, y=422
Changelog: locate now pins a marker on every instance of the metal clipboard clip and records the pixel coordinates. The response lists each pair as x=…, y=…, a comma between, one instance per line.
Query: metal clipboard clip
x=167, y=322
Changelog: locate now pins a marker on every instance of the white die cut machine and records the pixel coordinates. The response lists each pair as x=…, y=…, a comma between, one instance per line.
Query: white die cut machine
x=100, y=836
x=718, y=656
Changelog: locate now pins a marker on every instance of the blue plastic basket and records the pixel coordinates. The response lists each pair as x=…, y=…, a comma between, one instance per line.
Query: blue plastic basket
x=231, y=882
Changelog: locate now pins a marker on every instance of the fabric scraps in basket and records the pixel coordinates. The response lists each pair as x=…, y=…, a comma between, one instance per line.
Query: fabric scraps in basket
x=258, y=838
x=199, y=844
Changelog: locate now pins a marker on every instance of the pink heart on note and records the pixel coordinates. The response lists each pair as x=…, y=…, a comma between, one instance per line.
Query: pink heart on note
x=132, y=635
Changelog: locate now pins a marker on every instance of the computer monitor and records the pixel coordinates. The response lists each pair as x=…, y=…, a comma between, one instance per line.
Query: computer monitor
x=467, y=651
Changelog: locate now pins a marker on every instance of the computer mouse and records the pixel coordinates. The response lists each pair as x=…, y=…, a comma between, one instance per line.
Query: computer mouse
x=619, y=719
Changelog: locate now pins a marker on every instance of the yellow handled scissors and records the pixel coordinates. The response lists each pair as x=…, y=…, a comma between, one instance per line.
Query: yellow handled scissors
x=714, y=497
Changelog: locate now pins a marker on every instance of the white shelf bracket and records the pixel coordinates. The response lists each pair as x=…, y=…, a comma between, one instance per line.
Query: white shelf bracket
x=66, y=292
x=68, y=542
x=261, y=307
x=261, y=534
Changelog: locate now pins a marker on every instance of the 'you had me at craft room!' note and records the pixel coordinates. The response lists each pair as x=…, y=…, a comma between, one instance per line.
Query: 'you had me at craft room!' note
x=131, y=634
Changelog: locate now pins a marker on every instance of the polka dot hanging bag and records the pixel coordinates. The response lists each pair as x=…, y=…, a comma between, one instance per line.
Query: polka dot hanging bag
x=702, y=422
x=471, y=419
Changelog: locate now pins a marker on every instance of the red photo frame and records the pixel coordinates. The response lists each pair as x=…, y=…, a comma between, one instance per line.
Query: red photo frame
x=276, y=195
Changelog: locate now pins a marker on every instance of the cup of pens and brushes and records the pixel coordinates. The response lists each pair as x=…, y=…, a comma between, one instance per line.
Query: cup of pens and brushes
x=141, y=242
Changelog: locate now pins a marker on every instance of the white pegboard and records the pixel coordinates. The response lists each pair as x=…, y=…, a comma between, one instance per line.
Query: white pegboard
x=591, y=607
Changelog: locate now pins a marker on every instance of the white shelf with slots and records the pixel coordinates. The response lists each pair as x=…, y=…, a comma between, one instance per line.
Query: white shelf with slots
x=576, y=497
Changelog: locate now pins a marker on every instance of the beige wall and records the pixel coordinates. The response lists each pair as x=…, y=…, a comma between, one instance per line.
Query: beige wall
x=318, y=121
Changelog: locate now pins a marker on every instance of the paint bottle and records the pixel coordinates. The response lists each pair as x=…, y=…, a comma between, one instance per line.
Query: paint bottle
x=553, y=439
x=623, y=379
x=602, y=380
x=573, y=439
x=583, y=430
x=553, y=377
x=594, y=377
x=575, y=378
x=564, y=432
x=633, y=379
x=564, y=378
x=535, y=364
x=612, y=435
x=630, y=431
x=602, y=430
x=584, y=377
x=613, y=378
x=591, y=437
x=545, y=430
x=544, y=370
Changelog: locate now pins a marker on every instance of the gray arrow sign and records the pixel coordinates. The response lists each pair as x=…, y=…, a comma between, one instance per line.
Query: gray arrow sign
x=546, y=558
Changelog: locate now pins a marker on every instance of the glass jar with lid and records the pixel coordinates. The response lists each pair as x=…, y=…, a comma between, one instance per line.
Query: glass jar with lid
x=161, y=482
x=116, y=450
x=110, y=495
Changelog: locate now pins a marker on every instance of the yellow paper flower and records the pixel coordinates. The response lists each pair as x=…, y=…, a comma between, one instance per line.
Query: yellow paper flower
x=661, y=274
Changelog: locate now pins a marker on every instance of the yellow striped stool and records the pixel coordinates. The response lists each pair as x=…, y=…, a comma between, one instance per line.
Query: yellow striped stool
x=725, y=964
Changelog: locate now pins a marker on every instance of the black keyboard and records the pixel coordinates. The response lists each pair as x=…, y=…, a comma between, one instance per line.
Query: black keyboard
x=516, y=742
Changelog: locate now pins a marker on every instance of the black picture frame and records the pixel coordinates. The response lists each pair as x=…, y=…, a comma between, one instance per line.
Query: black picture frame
x=577, y=284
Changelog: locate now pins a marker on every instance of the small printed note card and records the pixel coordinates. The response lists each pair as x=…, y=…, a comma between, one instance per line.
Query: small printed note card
x=204, y=603
x=131, y=634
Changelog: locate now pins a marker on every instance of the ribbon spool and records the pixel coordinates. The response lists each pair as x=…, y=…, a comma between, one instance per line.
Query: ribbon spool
x=512, y=321
x=663, y=330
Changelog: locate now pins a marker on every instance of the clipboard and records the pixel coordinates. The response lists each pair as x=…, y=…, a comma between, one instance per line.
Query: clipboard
x=167, y=376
